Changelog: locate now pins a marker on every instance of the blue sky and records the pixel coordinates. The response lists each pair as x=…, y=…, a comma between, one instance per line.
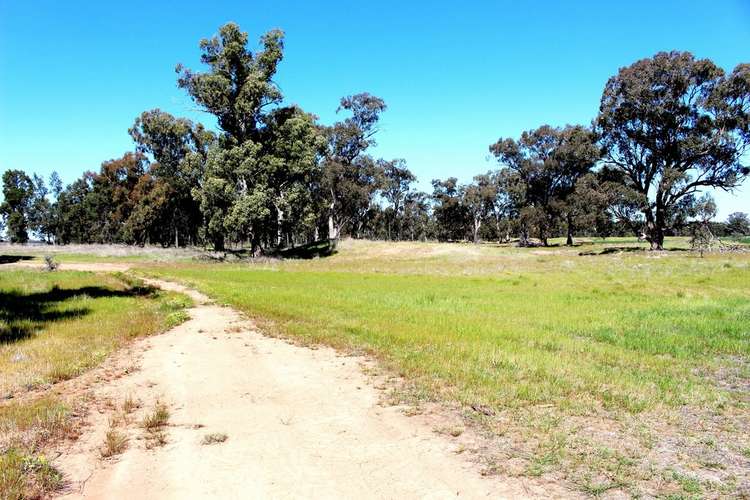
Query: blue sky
x=455, y=75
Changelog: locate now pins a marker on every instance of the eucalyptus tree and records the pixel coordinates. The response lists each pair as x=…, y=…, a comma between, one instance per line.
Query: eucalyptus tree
x=478, y=199
x=674, y=125
x=289, y=169
x=244, y=192
x=178, y=148
x=395, y=185
x=350, y=176
x=417, y=221
x=738, y=224
x=451, y=215
x=18, y=193
x=543, y=167
x=42, y=213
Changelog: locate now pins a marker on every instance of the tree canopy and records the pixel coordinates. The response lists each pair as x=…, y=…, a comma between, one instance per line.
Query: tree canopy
x=271, y=176
x=673, y=125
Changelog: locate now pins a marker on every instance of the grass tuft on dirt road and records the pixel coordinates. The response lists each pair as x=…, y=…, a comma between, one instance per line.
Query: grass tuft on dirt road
x=53, y=327
x=614, y=370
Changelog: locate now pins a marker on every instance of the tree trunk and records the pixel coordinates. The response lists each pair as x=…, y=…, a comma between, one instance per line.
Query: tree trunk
x=218, y=243
x=477, y=226
x=523, y=238
x=569, y=241
x=333, y=232
x=279, y=227
x=654, y=232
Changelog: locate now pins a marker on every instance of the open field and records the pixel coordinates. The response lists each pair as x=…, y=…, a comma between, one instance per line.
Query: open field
x=624, y=371
x=53, y=327
x=603, y=368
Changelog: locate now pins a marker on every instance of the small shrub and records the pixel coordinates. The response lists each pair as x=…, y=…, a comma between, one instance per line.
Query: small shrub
x=214, y=438
x=50, y=263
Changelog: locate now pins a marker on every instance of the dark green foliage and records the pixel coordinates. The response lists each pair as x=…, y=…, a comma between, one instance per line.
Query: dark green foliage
x=350, y=176
x=542, y=170
x=673, y=124
x=165, y=210
x=738, y=224
x=258, y=177
x=18, y=194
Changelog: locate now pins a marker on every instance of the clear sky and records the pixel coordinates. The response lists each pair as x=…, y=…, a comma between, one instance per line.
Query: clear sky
x=455, y=75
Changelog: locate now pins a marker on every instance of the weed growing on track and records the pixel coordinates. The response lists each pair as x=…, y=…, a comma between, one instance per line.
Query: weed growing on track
x=115, y=442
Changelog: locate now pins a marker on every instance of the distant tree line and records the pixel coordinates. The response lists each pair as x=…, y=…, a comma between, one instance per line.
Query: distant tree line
x=273, y=177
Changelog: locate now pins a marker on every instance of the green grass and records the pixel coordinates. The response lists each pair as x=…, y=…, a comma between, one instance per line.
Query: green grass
x=633, y=331
x=533, y=334
x=54, y=326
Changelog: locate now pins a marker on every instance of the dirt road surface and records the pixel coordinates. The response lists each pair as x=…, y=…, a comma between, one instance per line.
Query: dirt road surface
x=299, y=423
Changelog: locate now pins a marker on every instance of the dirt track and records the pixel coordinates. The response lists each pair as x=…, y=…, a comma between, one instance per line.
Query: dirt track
x=301, y=423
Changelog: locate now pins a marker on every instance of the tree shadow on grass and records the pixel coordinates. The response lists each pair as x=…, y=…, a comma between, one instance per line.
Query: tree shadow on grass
x=324, y=248
x=22, y=314
x=611, y=250
x=10, y=259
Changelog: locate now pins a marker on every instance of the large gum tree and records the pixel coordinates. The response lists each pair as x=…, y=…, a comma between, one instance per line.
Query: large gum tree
x=675, y=125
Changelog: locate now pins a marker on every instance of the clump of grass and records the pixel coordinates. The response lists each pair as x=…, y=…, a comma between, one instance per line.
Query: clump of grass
x=129, y=405
x=115, y=442
x=153, y=423
x=451, y=430
x=27, y=476
x=214, y=438
x=157, y=419
x=176, y=318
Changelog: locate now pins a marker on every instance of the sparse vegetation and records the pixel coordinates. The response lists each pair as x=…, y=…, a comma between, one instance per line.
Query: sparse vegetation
x=50, y=263
x=153, y=424
x=115, y=442
x=214, y=438
x=24, y=430
x=157, y=419
x=129, y=405
x=55, y=326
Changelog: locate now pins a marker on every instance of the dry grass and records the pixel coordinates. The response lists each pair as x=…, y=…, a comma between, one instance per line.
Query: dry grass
x=103, y=253
x=115, y=442
x=158, y=417
x=55, y=326
x=25, y=428
x=214, y=438
x=154, y=423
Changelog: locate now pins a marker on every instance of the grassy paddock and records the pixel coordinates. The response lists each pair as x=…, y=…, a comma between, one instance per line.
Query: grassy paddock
x=54, y=326
x=590, y=364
